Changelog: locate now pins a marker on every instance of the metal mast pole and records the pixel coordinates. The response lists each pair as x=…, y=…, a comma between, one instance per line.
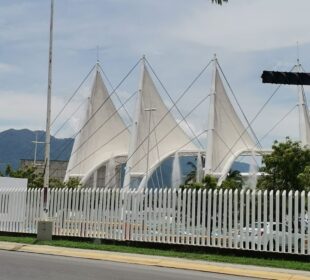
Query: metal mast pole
x=35, y=149
x=48, y=113
x=150, y=110
x=134, y=131
x=304, y=121
x=210, y=131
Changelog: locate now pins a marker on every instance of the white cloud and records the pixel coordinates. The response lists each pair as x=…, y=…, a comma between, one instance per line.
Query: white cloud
x=8, y=68
x=178, y=38
x=247, y=25
x=28, y=110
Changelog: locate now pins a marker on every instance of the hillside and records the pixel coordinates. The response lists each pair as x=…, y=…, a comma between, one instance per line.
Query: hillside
x=17, y=144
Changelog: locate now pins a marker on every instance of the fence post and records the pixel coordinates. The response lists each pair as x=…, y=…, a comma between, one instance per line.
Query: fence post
x=253, y=219
x=236, y=229
x=225, y=220
x=296, y=227
x=179, y=217
x=247, y=219
x=308, y=215
x=174, y=216
x=189, y=196
x=204, y=216
x=241, y=219
x=271, y=239
x=214, y=217
x=302, y=222
x=198, y=221
x=193, y=212
x=278, y=221
x=290, y=210
x=219, y=215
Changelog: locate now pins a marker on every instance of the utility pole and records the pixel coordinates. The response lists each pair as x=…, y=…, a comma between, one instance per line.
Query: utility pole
x=45, y=226
x=48, y=114
x=36, y=142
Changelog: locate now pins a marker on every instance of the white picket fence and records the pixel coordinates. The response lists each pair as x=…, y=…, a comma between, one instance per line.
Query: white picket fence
x=253, y=220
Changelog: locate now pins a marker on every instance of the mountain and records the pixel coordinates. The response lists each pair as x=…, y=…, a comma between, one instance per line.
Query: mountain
x=18, y=144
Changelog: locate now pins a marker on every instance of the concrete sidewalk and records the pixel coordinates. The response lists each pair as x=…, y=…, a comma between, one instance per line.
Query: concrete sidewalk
x=224, y=268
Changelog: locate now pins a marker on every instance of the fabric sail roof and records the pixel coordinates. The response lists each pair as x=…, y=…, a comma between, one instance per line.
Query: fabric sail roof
x=103, y=134
x=155, y=133
x=226, y=133
x=304, y=120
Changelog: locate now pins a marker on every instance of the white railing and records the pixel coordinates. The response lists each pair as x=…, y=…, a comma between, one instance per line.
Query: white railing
x=254, y=220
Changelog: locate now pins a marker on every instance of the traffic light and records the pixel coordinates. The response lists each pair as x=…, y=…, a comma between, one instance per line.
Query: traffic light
x=286, y=78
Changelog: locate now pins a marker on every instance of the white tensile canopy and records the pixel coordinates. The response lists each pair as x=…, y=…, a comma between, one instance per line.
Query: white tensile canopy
x=227, y=136
x=103, y=135
x=304, y=120
x=155, y=134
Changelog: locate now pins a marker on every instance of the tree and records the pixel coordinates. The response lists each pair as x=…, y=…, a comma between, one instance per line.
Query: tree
x=304, y=178
x=219, y=2
x=286, y=168
x=233, y=181
x=191, y=177
x=73, y=183
x=35, y=178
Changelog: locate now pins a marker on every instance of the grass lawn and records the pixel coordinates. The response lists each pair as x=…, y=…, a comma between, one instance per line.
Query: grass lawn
x=298, y=265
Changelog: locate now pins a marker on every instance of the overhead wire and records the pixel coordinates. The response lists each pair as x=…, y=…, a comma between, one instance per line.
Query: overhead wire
x=72, y=96
x=96, y=132
x=180, y=97
x=113, y=92
x=70, y=117
x=236, y=100
x=255, y=117
x=177, y=108
x=87, y=121
x=193, y=139
x=167, y=134
x=278, y=122
x=106, y=121
x=168, y=111
x=67, y=103
x=184, y=145
x=101, y=146
x=101, y=105
x=116, y=94
x=233, y=124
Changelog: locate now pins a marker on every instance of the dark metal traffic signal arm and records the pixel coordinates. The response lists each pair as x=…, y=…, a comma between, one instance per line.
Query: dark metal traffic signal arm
x=286, y=78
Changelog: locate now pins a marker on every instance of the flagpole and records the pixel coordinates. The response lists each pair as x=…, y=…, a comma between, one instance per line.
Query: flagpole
x=48, y=114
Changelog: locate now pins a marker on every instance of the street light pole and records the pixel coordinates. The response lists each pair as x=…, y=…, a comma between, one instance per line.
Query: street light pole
x=48, y=114
x=150, y=110
x=36, y=142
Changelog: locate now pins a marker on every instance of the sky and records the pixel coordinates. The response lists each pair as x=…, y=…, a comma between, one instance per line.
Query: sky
x=178, y=37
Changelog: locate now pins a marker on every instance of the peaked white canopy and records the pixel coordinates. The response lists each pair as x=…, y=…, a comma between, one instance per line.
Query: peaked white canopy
x=304, y=121
x=155, y=134
x=227, y=136
x=103, y=134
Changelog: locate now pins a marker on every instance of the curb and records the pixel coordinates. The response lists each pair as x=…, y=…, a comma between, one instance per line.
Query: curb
x=237, y=270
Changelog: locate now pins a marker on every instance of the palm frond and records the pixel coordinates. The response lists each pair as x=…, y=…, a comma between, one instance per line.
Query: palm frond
x=219, y=2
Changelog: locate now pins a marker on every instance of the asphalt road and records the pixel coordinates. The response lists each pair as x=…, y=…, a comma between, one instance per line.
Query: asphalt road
x=28, y=266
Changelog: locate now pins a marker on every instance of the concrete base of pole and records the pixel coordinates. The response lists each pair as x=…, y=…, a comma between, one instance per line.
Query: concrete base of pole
x=45, y=230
